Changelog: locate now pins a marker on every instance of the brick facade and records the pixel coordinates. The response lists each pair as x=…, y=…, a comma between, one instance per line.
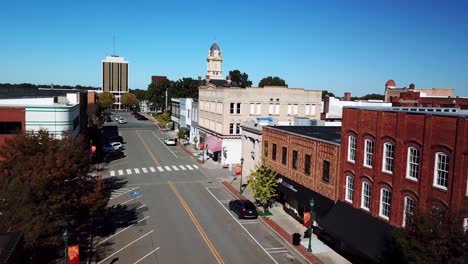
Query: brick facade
x=428, y=133
x=319, y=150
x=12, y=114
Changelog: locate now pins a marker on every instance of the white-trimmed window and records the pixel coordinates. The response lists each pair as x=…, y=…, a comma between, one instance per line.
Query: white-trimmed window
x=352, y=148
x=385, y=202
x=295, y=107
x=258, y=108
x=252, y=109
x=412, y=163
x=277, y=109
x=388, y=156
x=368, y=153
x=349, y=189
x=309, y=109
x=271, y=110
x=366, y=196
x=408, y=210
x=290, y=109
x=441, y=170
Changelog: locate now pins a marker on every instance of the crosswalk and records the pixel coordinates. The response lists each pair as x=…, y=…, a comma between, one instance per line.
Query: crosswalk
x=122, y=191
x=147, y=170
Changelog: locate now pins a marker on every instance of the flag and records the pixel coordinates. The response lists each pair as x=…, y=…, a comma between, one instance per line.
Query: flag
x=74, y=254
x=307, y=219
x=238, y=170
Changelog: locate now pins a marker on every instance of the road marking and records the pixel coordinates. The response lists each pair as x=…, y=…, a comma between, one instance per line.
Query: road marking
x=141, y=206
x=132, y=199
x=278, y=251
x=160, y=168
x=129, y=171
x=112, y=173
x=167, y=168
x=195, y=166
x=141, y=220
x=277, y=248
x=225, y=201
x=125, y=246
x=246, y=222
x=182, y=167
x=144, y=170
x=197, y=224
x=146, y=255
x=175, y=168
x=137, y=171
x=152, y=169
x=147, y=148
x=115, y=234
x=164, y=145
x=120, y=172
x=124, y=191
x=189, y=167
x=241, y=225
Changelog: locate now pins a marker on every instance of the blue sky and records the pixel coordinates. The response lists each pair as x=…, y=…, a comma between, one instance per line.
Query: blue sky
x=334, y=45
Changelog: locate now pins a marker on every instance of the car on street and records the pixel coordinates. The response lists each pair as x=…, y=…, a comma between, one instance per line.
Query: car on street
x=117, y=146
x=117, y=117
x=113, y=155
x=122, y=121
x=140, y=117
x=244, y=209
x=170, y=141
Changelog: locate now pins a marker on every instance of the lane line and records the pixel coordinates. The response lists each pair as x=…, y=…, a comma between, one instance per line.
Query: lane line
x=175, y=168
x=167, y=168
x=152, y=169
x=112, y=173
x=197, y=224
x=129, y=171
x=137, y=171
x=141, y=206
x=143, y=219
x=278, y=251
x=115, y=234
x=277, y=248
x=146, y=255
x=138, y=197
x=147, y=148
x=164, y=145
x=134, y=241
x=241, y=226
x=160, y=168
x=144, y=170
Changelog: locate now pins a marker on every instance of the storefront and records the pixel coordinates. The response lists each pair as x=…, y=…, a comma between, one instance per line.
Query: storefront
x=295, y=199
x=212, y=145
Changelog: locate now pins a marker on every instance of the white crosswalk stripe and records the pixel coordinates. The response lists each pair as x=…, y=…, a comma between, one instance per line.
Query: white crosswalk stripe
x=189, y=167
x=160, y=169
x=112, y=173
x=195, y=166
x=167, y=168
x=175, y=168
x=144, y=170
x=129, y=171
x=182, y=167
x=137, y=171
x=120, y=172
x=152, y=169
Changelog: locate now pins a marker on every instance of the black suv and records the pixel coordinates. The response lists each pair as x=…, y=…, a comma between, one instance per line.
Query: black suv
x=243, y=209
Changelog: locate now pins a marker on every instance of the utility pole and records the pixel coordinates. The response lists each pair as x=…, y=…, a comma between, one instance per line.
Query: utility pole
x=166, y=100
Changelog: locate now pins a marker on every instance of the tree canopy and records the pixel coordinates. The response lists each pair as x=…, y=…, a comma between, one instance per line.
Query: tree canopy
x=369, y=97
x=272, y=81
x=241, y=78
x=156, y=93
x=129, y=100
x=182, y=88
x=262, y=184
x=106, y=100
x=141, y=95
x=325, y=93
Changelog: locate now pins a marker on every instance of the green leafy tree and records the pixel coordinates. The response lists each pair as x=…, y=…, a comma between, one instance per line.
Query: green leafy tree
x=163, y=119
x=141, y=95
x=106, y=100
x=184, y=88
x=129, y=100
x=241, y=78
x=45, y=188
x=157, y=93
x=325, y=93
x=262, y=184
x=432, y=238
x=272, y=81
x=180, y=134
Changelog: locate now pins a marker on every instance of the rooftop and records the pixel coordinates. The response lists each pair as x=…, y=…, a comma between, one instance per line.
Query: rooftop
x=327, y=133
x=417, y=110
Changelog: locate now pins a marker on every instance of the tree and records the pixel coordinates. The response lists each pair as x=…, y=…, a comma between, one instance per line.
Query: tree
x=141, y=95
x=433, y=238
x=241, y=78
x=180, y=134
x=272, y=81
x=325, y=93
x=45, y=189
x=163, y=119
x=129, y=100
x=157, y=93
x=106, y=100
x=262, y=184
x=184, y=88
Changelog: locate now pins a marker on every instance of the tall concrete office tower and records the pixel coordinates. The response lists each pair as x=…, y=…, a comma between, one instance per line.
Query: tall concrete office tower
x=115, y=77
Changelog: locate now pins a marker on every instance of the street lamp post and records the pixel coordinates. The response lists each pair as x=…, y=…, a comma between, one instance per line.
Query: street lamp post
x=65, y=238
x=312, y=202
x=242, y=172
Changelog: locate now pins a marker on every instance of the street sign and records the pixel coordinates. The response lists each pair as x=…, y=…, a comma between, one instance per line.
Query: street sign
x=135, y=193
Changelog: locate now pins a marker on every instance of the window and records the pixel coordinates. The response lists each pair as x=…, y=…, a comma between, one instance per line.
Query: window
x=366, y=195
x=369, y=153
x=235, y=108
x=277, y=108
x=309, y=109
x=258, y=108
x=271, y=109
x=352, y=148
x=294, y=159
x=412, y=164
x=388, y=154
x=295, y=109
x=326, y=171
x=232, y=108
x=385, y=201
x=290, y=109
x=231, y=128
x=284, y=154
x=441, y=170
x=265, y=149
x=408, y=210
x=273, y=157
x=349, y=189
x=307, y=164
x=252, y=109
x=238, y=108
x=238, y=128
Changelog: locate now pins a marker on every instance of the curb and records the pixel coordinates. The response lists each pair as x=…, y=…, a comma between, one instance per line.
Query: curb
x=310, y=257
x=190, y=154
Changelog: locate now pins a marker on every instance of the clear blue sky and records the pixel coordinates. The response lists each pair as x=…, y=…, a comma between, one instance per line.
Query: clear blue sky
x=334, y=45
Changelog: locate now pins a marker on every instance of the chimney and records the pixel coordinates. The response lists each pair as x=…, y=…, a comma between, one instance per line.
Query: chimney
x=207, y=80
x=199, y=77
x=411, y=86
x=229, y=80
x=347, y=96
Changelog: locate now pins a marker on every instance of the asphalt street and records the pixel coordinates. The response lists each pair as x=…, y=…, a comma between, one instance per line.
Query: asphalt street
x=181, y=210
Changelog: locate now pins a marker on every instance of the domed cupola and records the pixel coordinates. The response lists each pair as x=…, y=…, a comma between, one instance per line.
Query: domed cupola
x=214, y=62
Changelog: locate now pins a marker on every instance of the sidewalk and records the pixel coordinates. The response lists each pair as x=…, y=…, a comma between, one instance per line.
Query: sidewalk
x=281, y=222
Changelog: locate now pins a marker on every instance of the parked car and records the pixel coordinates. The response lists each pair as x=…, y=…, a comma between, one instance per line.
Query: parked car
x=170, y=141
x=108, y=119
x=106, y=147
x=141, y=117
x=113, y=155
x=243, y=209
x=117, y=146
x=117, y=117
x=111, y=139
x=122, y=121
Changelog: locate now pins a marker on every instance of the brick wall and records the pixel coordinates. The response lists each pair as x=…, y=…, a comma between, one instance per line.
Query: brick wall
x=12, y=114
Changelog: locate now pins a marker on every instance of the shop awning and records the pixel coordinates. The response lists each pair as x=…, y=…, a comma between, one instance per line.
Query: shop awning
x=364, y=236
x=213, y=144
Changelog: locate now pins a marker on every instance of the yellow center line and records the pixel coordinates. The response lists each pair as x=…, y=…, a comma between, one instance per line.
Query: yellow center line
x=147, y=148
x=197, y=224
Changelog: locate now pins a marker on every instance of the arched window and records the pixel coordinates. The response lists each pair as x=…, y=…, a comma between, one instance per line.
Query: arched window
x=408, y=210
x=412, y=163
x=349, y=193
x=368, y=153
x=352, y=148
x=441, y=170
x=385, y=203
x=366, y=196
x=388, y=155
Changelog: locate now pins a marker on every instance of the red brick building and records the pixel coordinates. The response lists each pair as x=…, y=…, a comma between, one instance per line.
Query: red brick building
x=306, y=160
x=414, y=99
x=12, y=122
x=399, y=160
